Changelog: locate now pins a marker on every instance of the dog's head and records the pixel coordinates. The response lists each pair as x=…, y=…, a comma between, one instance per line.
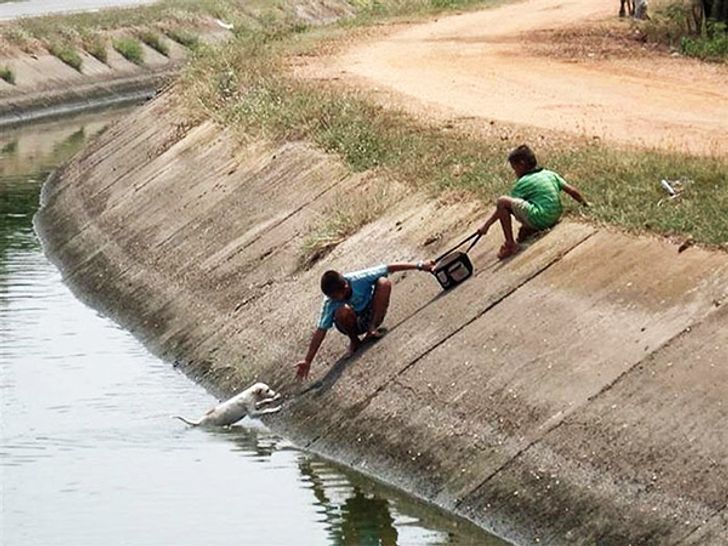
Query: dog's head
x=261, y=391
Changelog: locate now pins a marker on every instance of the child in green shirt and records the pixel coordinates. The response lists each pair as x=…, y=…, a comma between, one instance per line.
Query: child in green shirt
x=535, y=201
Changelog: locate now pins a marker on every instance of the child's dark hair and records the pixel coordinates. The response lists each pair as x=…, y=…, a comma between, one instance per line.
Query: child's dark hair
x=331, y=281
x=523, y=154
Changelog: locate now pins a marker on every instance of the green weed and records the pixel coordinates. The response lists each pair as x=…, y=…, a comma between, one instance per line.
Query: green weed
x=712, y=45
x=66, y=53
x=95, y=44
x=676, y=25
x=130, y=49
x=155, y=41
x=7, y=74
x=16, y=36
x=184, y=37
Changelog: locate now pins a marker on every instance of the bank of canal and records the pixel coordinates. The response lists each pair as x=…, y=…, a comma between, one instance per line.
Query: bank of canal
x=89, y=454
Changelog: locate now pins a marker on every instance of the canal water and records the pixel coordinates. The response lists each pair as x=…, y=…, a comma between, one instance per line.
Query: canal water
x=12, y=9
x=88, y=452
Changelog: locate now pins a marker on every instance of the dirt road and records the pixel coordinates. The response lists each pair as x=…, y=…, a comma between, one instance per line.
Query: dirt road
x=477, y=64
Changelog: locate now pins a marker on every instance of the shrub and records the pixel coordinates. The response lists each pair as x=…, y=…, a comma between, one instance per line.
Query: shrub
x=7, y=74
x=66, y=53
x=19, y=37
x=154, y=40
x=712, y=45
x=130, y=49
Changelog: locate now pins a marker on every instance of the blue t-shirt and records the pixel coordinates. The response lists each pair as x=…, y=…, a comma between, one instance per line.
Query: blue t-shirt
x=362, y=288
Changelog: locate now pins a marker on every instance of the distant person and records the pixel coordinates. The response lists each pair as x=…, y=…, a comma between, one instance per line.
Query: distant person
x=356, y=303
x=535, y=201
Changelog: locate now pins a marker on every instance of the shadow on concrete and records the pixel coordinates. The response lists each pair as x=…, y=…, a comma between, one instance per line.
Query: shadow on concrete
x=324, y=384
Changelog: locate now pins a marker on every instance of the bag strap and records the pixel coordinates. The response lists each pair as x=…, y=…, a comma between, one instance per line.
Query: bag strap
x=475, y=237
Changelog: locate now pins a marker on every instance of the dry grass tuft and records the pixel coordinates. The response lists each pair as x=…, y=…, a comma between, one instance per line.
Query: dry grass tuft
x=342, y=220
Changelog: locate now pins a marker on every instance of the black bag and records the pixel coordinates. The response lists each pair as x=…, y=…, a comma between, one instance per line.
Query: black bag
x=454, y=266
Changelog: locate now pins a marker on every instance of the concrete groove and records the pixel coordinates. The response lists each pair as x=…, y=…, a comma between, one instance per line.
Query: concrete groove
x=286, y=218
x=138, y=167
x=697, y=528
x=75, y=99
x=361, y=406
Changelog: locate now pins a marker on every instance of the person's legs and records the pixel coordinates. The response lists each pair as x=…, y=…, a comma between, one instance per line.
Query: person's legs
x=379, y=304
x=504, y=209
x=346, y=322
x=503, y=206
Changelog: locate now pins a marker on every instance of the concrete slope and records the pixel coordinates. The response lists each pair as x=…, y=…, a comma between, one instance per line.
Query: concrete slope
x=574, y=394
x=44, y=86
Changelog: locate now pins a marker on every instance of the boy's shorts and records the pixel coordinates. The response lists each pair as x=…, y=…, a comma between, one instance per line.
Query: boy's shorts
x=362, y=321
x=520, y=209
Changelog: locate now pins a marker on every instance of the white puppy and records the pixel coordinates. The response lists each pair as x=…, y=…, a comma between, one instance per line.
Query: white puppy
x=249, y=402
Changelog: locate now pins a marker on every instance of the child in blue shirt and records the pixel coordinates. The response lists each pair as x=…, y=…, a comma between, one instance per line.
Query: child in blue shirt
x=356, y=303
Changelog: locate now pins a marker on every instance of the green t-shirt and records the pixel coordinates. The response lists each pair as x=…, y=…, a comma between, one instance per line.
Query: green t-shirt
x=541, y=189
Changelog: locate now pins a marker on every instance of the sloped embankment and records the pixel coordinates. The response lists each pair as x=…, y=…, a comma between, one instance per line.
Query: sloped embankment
x=45, y=86
x=575, y=394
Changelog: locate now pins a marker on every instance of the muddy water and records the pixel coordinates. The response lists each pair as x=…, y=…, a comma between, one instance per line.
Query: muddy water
x=88, y=452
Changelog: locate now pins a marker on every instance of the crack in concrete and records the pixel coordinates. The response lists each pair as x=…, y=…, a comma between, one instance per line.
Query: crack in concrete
x=712, y=516
x=650, y=356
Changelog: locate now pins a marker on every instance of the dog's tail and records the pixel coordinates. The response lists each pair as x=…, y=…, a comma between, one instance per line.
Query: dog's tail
x=191, y=423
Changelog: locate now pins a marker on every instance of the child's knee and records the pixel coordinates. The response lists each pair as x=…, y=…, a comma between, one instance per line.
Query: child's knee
x=383, y=284
x=503, y=202
x=344, y=314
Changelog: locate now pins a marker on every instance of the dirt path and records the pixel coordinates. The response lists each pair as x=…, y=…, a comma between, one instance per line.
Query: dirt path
x=476, y=64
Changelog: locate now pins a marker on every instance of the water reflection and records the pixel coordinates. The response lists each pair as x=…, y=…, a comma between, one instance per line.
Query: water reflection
x=89, y=454
x=361, y=520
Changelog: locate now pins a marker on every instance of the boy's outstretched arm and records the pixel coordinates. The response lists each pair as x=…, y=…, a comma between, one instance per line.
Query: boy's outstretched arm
x=575, y=194
x=304, y=366
x=420, y=266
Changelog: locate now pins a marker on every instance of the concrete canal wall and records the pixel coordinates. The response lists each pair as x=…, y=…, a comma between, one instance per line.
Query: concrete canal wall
x=576, y=394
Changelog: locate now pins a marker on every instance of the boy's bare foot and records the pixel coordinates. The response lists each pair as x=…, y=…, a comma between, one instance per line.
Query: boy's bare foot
x=374, y=335
x=353, y=348
x=508, y=250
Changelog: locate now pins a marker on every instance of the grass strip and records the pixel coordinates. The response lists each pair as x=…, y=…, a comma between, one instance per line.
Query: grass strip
x=66, y=53
x=184, y=37
x=343, y=219
x=130, y=49
x=155, y=41
x=95, y=44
